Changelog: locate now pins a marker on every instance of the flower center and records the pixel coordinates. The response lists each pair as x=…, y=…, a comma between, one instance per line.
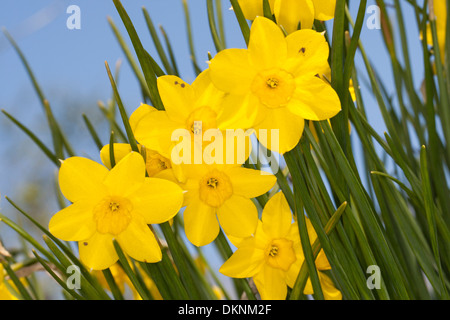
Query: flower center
x=273, y=251
x=212, y=183
x=280, y=254
x=156, y=163
x=113, y=215
x=215, y=188
x=272, y=83
x=200, y=120
x=273, y=87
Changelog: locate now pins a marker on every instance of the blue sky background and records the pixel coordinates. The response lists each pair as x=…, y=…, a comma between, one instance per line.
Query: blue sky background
x=69, y=65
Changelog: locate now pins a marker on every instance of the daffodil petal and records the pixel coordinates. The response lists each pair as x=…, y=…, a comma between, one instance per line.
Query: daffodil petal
x=139, y=114
x=139, y=242
x=324, y=9
x=238, y=216
x=81, y=178
x=322, y=262
x=308, y=53
x=314, y=99
x=200, y=223
x=244, y=263
x=98, y=252
x=251, y=8
x=292, y=273
x=271, y=284
x=158, y=200
x=250, y=183
x=177, y=96
x=73, y=223
x=277, y=216
x=267, y=47
x=206, y=93
x=281, y=130
x=231, y=71
x=127, y=175
x=289, y=13
x=155, y=131
x=329, y=290
x=120, y=151
x=239, y=112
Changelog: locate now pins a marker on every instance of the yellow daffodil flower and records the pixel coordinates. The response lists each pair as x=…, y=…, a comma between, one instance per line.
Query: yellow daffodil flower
x=222, y=194
x=113, y=204
x=274, y=82
x=191, y=109
x=273, y=256
x=291, y=13
x=5, y=294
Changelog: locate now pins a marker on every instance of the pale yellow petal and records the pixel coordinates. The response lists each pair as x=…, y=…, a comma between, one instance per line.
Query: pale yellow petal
x=267, y=47
x=139, y=114
x=158, y=200
x=240, y=112
x=281, y=130
x=324, y=9
x=291, y=13
x=250, y=183
x=314, y=99
x=238, y=216
x=127, y=175
x=120, y=151
x=74, y=223
x=206, y=93
x=81, y=178
x=231, y=71
x=244, y=263
x=271, y=283
x=308, y=53
x=155, y=131
x=139, y=242
x=200, y=223
x=329, y=290
x=177, y=96
x=98, y=252
x=251, y=8
x=277, y=216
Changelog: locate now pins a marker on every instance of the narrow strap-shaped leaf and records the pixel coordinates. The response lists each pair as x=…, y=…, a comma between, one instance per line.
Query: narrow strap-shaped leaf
x=316, y=247
x=17, y=283
x=147, y=69
x=197, y=68
x=129, y=271
x=123, y=113
x=35, y=139
x=58, y=136
x=245, y=29
x=300, y=189
x=157, y=42
x=52, y=273
x=92, y=131
x=130, y=58
x=170, y=51
x=212, y=26
x=431, y=218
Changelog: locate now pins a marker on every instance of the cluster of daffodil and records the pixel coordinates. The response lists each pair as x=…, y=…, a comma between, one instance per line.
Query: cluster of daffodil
x=185, y=177
x=276, y=83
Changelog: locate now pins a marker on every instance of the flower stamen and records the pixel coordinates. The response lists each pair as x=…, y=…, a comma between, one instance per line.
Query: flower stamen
x=273, y=251
x=212, y=183
x=272, y=83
